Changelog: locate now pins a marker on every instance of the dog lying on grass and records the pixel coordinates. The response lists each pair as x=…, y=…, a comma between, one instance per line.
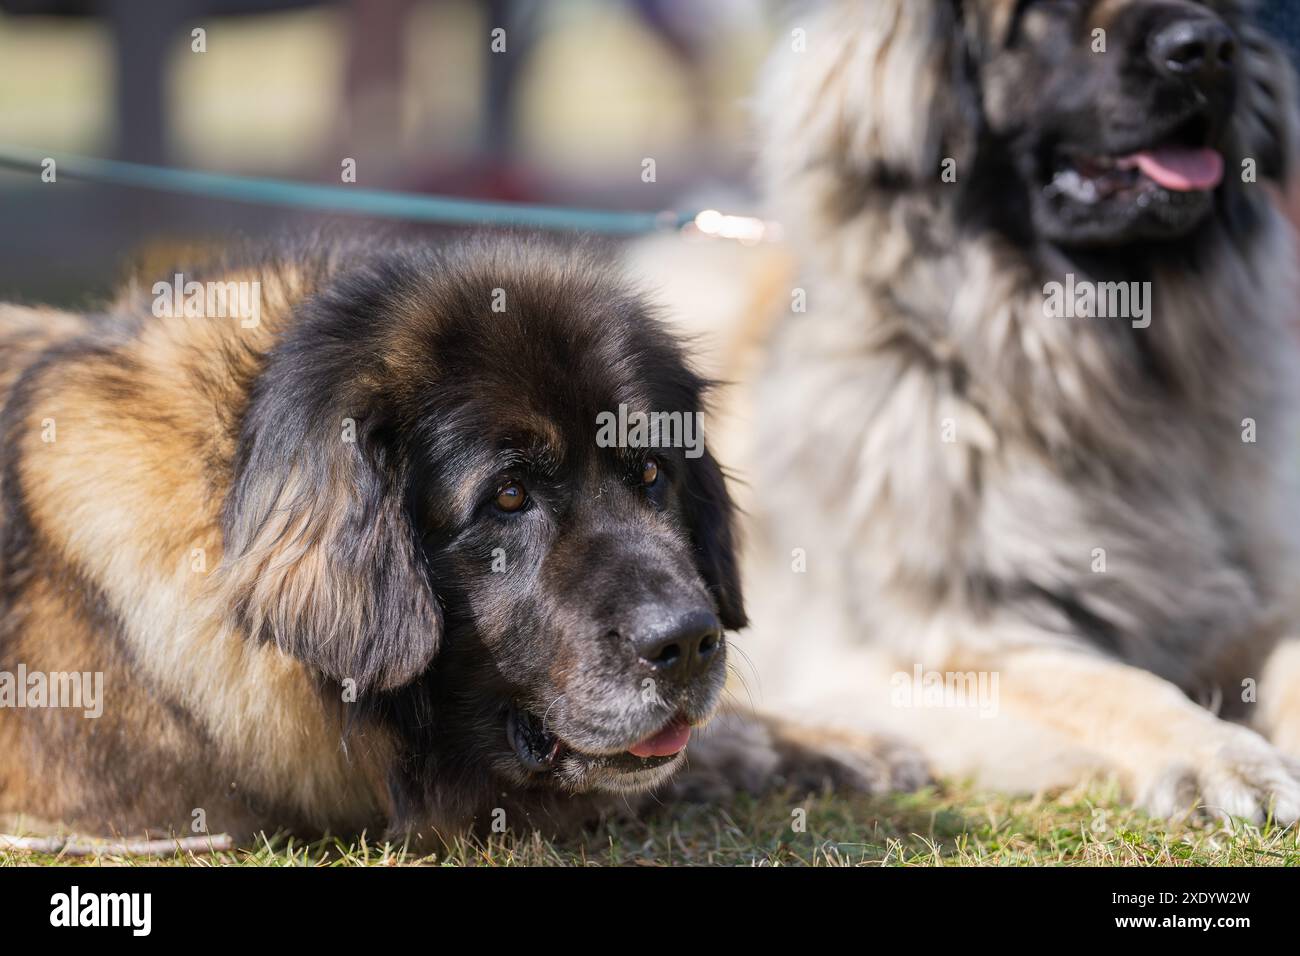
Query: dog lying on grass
x=1095, y=507
x=356, y=559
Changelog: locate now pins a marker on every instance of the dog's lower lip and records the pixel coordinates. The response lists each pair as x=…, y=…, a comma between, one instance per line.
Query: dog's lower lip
x=539, y=750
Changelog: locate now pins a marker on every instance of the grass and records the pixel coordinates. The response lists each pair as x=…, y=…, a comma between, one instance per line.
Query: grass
x=951, y=826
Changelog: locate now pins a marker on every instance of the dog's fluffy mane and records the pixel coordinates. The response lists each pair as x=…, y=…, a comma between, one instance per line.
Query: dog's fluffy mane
x=1068, y=435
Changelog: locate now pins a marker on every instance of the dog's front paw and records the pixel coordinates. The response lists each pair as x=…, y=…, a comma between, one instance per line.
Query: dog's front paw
x=756, y=755
x=1237, y=774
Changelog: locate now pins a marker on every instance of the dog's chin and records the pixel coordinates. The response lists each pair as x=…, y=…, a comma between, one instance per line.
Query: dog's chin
x=1115, y=197
x=582, y=772
x=1147, y=214
x=540, y=757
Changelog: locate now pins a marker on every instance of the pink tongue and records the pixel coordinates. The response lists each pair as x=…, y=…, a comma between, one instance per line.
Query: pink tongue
x=1182, y=170
x=672, y=739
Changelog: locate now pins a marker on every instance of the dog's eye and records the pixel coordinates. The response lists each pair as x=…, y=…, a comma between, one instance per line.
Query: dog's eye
x=511, y=496
x=649, y=472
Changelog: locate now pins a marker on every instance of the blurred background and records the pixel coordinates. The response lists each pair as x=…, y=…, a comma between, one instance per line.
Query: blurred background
x=409, y=89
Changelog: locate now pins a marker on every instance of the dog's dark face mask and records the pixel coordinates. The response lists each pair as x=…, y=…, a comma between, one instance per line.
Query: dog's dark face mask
x=584, y=614
x=1110, y=122
x=522, y=586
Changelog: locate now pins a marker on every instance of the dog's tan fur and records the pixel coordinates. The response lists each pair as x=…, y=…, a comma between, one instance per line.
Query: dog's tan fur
x=124, y=506
x=120, y=429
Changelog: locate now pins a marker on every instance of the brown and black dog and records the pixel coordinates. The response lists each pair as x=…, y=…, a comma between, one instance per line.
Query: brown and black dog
x=338, y=534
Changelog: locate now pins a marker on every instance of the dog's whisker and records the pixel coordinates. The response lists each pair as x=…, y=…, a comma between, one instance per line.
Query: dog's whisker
x=546, y=713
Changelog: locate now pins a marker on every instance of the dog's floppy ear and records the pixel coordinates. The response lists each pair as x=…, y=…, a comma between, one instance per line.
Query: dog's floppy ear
x=320, y=555
x=710, y=516
x=877, y=90
x=1266, y=119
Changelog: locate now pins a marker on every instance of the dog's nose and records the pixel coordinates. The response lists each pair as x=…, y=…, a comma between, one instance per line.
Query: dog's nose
x=1197, y=49
x=680, y=645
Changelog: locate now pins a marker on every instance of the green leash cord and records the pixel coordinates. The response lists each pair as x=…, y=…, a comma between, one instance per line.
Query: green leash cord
x=345, y=199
